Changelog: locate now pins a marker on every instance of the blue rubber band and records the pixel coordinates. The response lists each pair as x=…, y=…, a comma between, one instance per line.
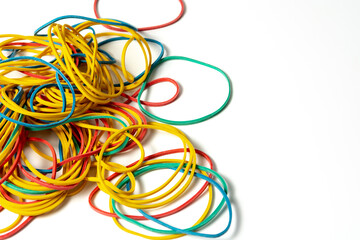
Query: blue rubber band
x=62, y=92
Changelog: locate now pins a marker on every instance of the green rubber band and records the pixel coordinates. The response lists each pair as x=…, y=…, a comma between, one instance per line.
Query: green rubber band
x=186, y=122
x=15, y=131
x=121, y=147
x=26, y=191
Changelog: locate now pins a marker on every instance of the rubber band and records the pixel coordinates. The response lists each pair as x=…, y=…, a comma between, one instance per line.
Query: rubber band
x=193, y=121
x=12, y=225
x=96, y=2
x=154, y=104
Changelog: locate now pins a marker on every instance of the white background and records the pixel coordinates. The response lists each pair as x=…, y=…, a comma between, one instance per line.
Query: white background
x=288, y=143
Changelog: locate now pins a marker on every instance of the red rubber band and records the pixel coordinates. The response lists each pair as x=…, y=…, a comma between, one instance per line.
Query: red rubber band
x=49, y=185
x=54, y=166
x=143, y=28
x=18, y=147
x=154, y=104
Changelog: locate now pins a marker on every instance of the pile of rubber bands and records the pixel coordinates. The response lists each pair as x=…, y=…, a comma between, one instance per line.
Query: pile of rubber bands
x=60, y=82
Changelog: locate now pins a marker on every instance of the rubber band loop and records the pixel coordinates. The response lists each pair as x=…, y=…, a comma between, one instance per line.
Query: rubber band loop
x=96, y=2
x=187, y=122
x=154, y=104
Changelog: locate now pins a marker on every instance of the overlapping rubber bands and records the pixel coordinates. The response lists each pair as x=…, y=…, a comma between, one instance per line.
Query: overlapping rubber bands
x=66, y=108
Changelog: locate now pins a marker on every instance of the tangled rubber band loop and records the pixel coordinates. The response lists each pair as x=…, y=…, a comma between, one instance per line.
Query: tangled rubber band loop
x=99, y=21
x=189, y=231
x=25, y=112
x=165, y=214
x=96, y=2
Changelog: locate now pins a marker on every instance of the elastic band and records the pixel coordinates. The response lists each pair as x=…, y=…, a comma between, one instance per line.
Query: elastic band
x=145, y=28
x=187, y=122
x=154, y=104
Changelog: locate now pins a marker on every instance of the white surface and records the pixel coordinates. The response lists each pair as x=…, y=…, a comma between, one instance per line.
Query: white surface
x=288, y=144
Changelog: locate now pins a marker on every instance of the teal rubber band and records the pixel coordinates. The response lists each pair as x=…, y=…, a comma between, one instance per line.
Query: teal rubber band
x=15, y=131
x=26, y=191
x=118, y=149
x=186, y=122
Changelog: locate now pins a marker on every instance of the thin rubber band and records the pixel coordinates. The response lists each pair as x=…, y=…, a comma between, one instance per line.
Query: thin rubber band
x=186, y=122
x=154, y=104
x=96, y=11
